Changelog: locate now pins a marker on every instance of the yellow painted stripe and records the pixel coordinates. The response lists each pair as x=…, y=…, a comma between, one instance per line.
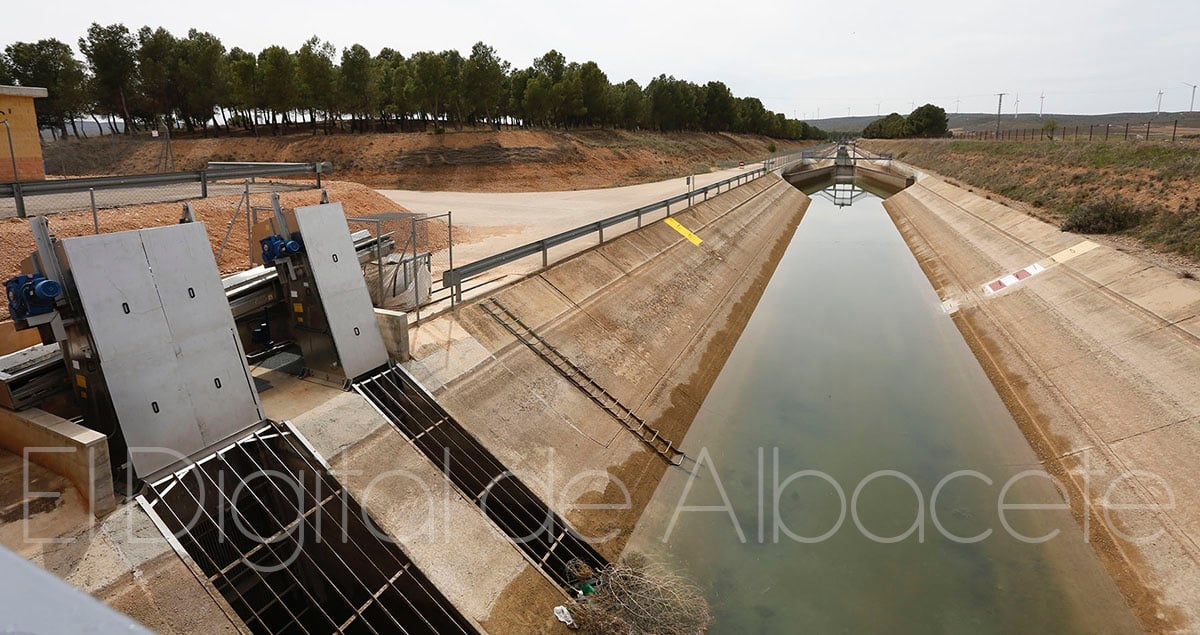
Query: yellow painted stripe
x=683, y=231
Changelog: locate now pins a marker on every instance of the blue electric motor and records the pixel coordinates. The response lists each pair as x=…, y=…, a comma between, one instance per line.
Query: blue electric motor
x=277, y=246
x=31, y=295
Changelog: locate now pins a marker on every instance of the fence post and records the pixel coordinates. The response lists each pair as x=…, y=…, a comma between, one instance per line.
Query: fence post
x=1126, y=132
x=1174, y=129
x=1147, y=131
x=1106, y=127
x=203, y=184
x=1077, y=133
x=1090, y=126
x=19, y=199
x=95, y=217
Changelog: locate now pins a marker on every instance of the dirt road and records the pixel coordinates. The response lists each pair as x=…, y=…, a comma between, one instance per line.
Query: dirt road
x=499, y=221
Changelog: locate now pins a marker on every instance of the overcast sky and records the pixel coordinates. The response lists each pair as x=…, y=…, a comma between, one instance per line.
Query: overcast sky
x=1088, y=56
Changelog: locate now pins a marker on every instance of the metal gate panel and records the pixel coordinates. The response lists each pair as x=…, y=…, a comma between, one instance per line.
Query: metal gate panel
x=355, y=332
x=166, y=340
x=133, y=341
x=327, y=241
x=186, y=276
x=220, y=391
x=117, y=292
x=153, y=408
x=342, y=289
x=213, y=371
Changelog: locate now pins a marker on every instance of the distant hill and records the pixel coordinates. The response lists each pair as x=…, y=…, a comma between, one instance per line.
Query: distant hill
x=979, y=122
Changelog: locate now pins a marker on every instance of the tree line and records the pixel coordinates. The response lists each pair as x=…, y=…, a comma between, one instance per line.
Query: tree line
x=927, y=121
x=151, y=78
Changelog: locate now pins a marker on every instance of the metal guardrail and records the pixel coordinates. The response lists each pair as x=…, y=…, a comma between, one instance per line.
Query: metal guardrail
x=455, y=277
x=215, y=172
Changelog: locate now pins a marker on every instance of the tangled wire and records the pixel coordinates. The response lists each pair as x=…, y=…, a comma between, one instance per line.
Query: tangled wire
x=635, y=596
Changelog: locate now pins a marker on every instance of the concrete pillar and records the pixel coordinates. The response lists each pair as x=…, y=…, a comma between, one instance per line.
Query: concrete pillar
x=393, y=326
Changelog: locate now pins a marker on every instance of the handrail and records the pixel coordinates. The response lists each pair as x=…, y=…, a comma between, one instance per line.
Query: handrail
x=455, y=277
x=217, y=173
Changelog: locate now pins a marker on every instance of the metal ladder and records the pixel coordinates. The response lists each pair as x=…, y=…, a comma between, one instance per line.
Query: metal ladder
x=576, y=375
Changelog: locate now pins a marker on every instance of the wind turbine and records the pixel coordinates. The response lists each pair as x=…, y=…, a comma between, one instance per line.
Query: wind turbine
x=957, y=101
x=1017, y=106
x=1192, y=107
x=1159, y=112
x=1043, y=106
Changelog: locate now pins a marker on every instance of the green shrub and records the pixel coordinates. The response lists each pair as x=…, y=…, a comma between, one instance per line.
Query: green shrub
x=1106, y=215
x=1178, y=231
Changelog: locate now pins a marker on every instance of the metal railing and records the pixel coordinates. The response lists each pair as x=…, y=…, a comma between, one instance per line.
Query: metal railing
x=454, y=277
x=159, y=184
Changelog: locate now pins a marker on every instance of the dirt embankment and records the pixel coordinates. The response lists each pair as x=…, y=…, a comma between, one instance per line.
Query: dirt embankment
x=16, y=240
x=468, y=161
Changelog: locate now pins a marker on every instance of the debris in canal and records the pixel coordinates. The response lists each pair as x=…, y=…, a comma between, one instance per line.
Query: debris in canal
x=636, y=595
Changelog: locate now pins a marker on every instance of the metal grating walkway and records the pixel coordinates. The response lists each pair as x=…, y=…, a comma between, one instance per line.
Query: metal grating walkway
x=545, y=538
x=289, y=548
x=576, y=375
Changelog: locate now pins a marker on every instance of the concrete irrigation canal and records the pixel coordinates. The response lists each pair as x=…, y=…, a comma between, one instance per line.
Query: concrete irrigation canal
x=837, y=394
x=829, y=492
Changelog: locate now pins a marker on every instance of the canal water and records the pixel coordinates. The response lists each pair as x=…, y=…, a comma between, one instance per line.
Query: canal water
x=815, y=505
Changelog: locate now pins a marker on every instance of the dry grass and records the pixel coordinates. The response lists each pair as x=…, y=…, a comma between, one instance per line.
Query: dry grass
x=1070, y=181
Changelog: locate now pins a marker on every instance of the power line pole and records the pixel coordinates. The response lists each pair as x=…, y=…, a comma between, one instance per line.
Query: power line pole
x=1042, y=107
x=999, y=105
x=1192, y=106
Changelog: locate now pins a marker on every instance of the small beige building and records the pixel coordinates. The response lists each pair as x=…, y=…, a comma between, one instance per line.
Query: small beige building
x=16, y=107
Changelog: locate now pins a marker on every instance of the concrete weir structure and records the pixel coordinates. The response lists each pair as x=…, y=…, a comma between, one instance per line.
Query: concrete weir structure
x=650, y=316
x=1097, y=356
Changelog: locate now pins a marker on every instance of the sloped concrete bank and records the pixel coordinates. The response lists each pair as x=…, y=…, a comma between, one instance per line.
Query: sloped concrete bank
x=1097, y=356
x=649, y=316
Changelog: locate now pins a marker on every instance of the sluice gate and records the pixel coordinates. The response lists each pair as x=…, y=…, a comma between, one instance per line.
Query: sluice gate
x=545, y=537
